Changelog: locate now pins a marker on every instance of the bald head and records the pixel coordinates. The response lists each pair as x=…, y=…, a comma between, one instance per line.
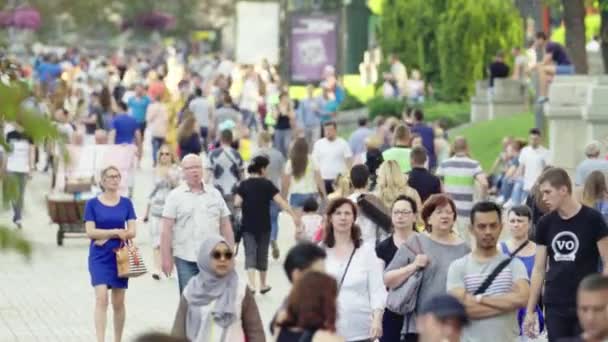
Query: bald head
x=460, y=145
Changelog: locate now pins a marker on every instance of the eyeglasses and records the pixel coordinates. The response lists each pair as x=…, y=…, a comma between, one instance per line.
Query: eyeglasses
x=112, y=176
x=217, y=255
x=165, y=154
x=402, y=212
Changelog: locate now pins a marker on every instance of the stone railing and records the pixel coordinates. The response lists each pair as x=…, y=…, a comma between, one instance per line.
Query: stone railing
x=347, y=120
x=577, y=113
x=507, y=98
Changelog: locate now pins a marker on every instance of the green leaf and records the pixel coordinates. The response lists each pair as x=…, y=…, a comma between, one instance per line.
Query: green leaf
x=14, y=240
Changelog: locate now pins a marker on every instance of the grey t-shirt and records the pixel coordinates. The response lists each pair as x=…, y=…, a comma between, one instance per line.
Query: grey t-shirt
x=201, y=108
x=276, y=166
x=469, y=274
x=434, y=275
x=587, y=166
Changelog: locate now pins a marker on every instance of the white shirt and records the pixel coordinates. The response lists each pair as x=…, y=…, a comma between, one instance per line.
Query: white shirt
x=306, y=183
x=197, y=215
x=18, y=160
x=331, y=157
x=533, y=161
x=361, y=293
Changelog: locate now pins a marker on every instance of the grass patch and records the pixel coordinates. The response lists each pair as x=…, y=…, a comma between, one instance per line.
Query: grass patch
x=352, y=83
x=485, y=138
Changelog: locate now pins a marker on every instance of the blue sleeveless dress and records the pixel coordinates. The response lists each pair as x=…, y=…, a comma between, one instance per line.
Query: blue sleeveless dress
x=521, y=313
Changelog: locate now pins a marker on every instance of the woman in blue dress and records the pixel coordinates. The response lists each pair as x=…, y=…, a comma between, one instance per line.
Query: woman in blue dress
x=519, y=219
x=109, y=219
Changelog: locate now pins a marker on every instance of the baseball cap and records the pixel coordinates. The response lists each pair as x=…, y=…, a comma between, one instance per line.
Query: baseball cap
x=445, y=306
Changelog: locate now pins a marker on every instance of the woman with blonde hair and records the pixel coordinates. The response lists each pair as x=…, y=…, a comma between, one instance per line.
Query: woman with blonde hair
x=166, y=177
x=595, y=192
x=342, y=188
x=392, y=183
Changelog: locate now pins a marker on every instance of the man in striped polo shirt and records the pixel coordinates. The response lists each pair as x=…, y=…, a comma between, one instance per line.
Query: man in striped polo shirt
x=460, y=173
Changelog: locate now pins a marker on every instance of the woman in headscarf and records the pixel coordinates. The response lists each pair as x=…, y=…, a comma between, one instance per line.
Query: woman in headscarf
x=215, y=305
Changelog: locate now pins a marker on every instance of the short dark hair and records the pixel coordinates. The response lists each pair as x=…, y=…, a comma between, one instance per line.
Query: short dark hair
x=418, y=155
x=330, y=123
x=408, y=199
x=359, y=176
x=535, y=131
x=541, y=35
x=122, y=105
x=310, y=205
x=522, y=211
x=362, y=121
x=485, y=207
x=198, y=92
x=257, y=164
x=418, y=114
x=594, y=282
x=556, y=177
x=226, y=136
x=302, y=256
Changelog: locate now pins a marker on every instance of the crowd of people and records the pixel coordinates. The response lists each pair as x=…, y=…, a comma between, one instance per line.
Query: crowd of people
x=399, y=235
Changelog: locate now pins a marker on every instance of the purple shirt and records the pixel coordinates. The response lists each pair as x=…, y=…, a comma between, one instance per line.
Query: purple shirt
x=560, y=57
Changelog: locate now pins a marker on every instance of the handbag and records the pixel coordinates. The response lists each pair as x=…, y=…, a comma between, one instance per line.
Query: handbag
x=488, y=281
x=402, y=299
x=372, y=207
x=76, y=185
x=129, y=262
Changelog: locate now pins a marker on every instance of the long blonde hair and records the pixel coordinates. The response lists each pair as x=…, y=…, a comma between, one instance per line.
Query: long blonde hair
x=391, y=182
x=595, y=188
x=342, y=186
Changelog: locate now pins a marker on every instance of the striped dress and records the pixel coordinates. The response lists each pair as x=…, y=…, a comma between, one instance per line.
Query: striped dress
x=459, y=174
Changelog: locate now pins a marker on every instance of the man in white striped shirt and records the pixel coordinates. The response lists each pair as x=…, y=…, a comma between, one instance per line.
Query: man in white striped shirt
x=493, y=312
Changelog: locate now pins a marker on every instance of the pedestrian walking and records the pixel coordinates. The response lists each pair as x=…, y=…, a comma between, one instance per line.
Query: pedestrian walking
x=569, y=240
x=332, y=155
x=188, y=136
x=420, y=178
x=311, y=310
x=392, y=183
x=157, y=120
x=429, y=254
x=442, y=319
x=192, y=212
x=216, y=305
x=166, y=178
x=302, y=178
x=358, y=271
x=492, y=295
x=401, y=149
x=20, y=163
x=254, y=195
x=109, y=221
x=285, y=123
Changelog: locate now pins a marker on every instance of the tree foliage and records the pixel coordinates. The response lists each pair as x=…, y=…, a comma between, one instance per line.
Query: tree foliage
x=450, y=41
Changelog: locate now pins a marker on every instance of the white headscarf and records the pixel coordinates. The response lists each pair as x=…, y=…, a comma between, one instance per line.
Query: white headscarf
x=206, y=287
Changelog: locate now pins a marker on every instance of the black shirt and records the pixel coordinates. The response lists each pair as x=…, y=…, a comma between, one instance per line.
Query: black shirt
x=424, y=182
x=572, y=252
x=498, y=70
x=257, y=193
x=386, y=250
x=191, y=144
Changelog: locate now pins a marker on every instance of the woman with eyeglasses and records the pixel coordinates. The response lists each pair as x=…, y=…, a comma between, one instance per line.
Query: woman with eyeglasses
x=216, y=306
x=430, y=253
x=166, y=177
x=403, y=215
x=109, y=220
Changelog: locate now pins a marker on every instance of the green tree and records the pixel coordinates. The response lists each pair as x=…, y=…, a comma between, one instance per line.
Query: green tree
x=451, y=41
x=14, y=94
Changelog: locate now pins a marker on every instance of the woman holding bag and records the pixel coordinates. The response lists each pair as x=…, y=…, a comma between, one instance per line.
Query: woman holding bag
x=435, y=252
x=109, y=220
x=358, y=271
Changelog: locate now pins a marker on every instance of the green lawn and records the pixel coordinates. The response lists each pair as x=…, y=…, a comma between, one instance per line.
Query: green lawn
x=485, y=138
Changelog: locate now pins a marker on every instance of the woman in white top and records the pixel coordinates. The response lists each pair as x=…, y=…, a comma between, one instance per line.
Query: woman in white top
x=358, y=271
x=302, y=179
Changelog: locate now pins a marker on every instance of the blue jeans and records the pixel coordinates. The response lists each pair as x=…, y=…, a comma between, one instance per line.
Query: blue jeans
x=157, y=142
x=507, y=188
x=282, y=138
x=274, y=221
x=185, y=271
x=519, y=195
x=249, y=119
x=298, y=200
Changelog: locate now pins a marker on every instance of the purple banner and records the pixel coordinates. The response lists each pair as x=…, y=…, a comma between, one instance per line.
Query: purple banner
x=314, y=45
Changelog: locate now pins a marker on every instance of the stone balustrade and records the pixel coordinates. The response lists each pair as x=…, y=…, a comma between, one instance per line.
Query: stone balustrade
x=508, y=97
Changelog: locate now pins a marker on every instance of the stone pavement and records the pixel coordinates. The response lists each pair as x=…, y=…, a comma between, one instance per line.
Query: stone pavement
x=50, y=298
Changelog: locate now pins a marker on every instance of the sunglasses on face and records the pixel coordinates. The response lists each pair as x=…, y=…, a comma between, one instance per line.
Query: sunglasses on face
x=165, y=154
x=217, y=255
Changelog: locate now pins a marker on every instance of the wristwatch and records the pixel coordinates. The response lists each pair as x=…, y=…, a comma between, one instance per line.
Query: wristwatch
x=478, y=298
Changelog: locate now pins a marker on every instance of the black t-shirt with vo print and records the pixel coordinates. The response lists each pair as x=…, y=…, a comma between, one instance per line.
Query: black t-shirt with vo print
x=572, y=252
x=257, y=194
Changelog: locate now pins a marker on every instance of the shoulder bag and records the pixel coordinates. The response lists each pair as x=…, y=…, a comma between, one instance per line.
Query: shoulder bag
x=488, y=281
x=402, y=299
x=346, y=269
x=129, y=262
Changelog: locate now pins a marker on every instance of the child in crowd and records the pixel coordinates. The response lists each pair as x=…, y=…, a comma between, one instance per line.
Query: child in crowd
x=311, y=221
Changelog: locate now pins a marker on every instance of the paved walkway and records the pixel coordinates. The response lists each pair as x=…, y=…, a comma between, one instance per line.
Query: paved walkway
x=50, y=298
